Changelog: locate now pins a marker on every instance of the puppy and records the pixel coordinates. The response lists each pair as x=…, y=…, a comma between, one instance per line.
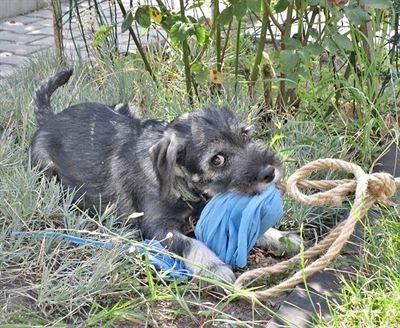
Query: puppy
x=167, y=170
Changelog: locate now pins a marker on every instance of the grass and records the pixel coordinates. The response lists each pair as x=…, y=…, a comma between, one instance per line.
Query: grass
x=372, y=297
x=54, y=283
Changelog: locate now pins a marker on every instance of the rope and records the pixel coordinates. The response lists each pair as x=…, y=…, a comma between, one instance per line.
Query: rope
x=368, y=189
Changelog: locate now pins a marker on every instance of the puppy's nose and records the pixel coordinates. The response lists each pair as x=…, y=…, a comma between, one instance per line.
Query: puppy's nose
x=267, y=174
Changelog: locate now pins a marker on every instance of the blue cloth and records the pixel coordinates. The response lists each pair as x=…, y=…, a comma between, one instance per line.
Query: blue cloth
x=230, y=224
x=169, y=266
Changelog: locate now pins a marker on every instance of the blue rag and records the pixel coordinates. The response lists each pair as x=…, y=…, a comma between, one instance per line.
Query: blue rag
x=230, y=224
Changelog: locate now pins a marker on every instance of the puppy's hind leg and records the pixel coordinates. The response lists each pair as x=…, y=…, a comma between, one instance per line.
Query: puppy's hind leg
x=279, y=242
x=40, y=156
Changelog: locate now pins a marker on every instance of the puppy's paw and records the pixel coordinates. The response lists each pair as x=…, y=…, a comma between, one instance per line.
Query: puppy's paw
x=280, y=243
x=219, y=272
x=203, y=262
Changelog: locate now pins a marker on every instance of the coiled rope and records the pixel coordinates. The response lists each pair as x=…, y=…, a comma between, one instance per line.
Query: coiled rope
x=368, y=189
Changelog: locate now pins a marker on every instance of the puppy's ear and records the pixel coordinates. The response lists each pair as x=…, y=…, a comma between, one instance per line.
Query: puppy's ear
x=164, y=155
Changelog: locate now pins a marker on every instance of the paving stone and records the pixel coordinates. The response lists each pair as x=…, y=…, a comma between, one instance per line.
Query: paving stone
x=19, y=28
x=389, y=161
x=325, y=282
x=47, y=30
x=76, y=34
x=300, y=309
x=13, y=60
x=5, y=54
x=43, y=13
x=304, y=305
x=23, y=19
x=71, y=45
x=19, y=49
x=6, y=69
x=47, y=41
x=45, y=23
x=18, y=38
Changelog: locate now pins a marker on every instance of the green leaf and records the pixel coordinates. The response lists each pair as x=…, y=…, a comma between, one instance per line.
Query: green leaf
x=281, y=5
x=196, y=4
x=355, y=14
x=330, y=46
x=288, y=59
x=343, y=41
x=196, y=67
x=202, y=76
x=201, y=72
x=239, y=8
x=291, y=43
x=314, y=32
x=254, y=5
x=101, y=35
x=226, y=15
x=142, y=16
x=168, y=21
x=179, y=32
x=191, y=19
x=292, y=80
x=201, y=34
x=313, y=49
x=376, y=4
x=275, y=138
x=127, y=23
x=316, y=2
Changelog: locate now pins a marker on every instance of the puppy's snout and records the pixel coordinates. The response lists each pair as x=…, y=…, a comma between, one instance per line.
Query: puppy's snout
x=266, y=174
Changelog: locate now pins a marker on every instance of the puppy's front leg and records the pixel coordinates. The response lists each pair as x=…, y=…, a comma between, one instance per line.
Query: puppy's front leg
x=200, y=259
x=203, y=261
x=165, y=221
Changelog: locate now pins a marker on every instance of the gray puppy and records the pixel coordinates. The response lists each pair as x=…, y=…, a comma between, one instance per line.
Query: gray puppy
x=165, y=169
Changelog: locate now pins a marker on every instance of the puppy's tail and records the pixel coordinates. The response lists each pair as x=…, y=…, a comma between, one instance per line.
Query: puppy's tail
x=41, y=101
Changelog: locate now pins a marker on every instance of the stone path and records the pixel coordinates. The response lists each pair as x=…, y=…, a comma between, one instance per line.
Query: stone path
x=23, y=36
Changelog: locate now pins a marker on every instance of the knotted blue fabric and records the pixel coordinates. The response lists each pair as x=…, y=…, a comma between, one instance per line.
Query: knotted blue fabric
x=230, y=224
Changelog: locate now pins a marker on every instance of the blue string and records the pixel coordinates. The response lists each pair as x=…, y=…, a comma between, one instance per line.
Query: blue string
x=171, y=267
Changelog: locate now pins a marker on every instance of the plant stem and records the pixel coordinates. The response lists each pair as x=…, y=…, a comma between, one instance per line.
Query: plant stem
x=217, y=33
x=237, y=54
x=71, y=4
x=271, y=15
x=227, y=34
x=260, y=48
x=310, y=24
x=185, y=58
x=138, y=45
x=287, y=27
x=57, y=28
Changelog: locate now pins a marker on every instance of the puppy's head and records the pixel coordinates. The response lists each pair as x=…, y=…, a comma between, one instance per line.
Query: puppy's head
x=213, y=151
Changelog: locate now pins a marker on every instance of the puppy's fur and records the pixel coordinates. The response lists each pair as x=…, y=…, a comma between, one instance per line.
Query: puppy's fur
x=165, y=169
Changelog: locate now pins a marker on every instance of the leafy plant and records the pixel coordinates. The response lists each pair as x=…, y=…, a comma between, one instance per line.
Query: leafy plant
x=283, y=41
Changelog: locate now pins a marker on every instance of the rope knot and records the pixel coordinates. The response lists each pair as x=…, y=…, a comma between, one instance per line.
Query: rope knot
x=381, y=185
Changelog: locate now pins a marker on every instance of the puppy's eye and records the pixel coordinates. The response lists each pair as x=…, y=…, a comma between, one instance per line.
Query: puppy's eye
x=218, y=160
